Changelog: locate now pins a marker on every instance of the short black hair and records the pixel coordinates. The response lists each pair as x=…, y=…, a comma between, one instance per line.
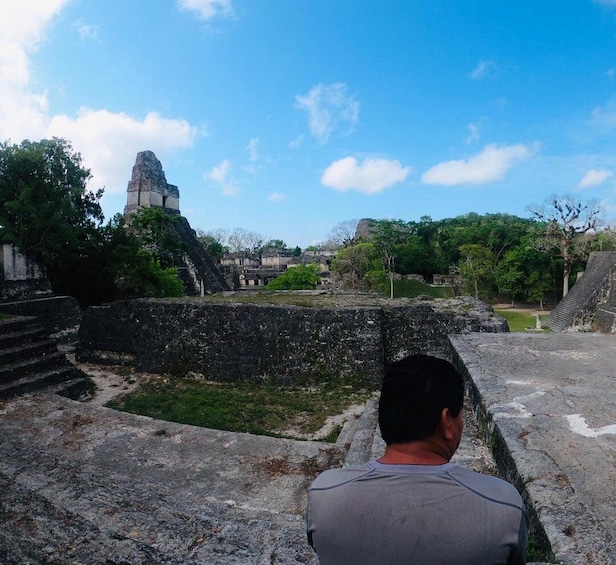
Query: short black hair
x=414, y=393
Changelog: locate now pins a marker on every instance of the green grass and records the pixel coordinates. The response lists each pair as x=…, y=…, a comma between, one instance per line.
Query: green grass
x=4, y=316
x=257, y=408
x=519, y=321
x=535, y=552
x=410, y=289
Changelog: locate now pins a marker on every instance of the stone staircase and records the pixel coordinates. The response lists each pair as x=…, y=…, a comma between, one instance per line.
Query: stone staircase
x=578, y=308
x=30, y=361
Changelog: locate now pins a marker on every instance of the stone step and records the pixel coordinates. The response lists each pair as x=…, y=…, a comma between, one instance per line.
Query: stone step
x=98, y=486
x=27, y=334
x=581, y=301
x=17, y=323
x=21, y=369
x=27, y=351
x=36, y=381
x=360, y=450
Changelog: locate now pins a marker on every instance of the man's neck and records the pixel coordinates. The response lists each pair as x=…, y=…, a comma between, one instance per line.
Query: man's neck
x=416, y=453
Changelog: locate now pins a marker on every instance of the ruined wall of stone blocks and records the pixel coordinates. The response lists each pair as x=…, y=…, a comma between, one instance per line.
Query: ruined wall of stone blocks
x=278, y=343
x=21, y=278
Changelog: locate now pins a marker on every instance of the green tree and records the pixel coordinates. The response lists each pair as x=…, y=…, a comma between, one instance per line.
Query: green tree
x=134, y=270
x=47, y=211
x=415, y=256
x=215, y=249
x=388, y=236
x=300, y=277
x=352, y=264
x=510, y=277
x=476, y=266
x=569, y=226
x=153, y=228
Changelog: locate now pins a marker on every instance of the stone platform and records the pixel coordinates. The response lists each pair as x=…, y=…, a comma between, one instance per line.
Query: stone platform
x=80, y=483
x=550, y=403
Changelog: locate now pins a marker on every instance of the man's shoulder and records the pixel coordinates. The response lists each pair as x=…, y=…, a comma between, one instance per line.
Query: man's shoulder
x=339, y=476
x=487, y=486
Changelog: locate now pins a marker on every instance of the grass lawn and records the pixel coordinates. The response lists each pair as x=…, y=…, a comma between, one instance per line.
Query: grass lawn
x=519, y=321
x=410, y=289
x=257, y=408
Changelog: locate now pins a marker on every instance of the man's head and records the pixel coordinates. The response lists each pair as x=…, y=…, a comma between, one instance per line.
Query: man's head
x=414, y=394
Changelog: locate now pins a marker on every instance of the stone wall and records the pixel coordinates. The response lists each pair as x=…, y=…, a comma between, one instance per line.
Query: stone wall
x=278, y=343
x=21, y=278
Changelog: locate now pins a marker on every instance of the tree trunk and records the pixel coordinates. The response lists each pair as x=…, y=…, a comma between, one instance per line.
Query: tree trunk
x=566, y=272
x=391, y=284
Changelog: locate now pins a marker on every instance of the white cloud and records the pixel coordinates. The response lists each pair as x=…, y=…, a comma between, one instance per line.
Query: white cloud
x=329, y=109
x=220, y=175
x=22, y=28
x=277, y=197
x=483, y=69
x=86, y=32
x=473, y=133
x=207, y=9
x=253, y=148
x=603, y=118
x=370, y=177
x=488, y=166
x=594, y=177
x=295, y=143
x=108, y=142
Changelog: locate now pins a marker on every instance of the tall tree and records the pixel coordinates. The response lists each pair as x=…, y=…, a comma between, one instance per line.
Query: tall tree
x=569, y=227
x=352, y=264
x=299, y=277
x=476, y=265
x=245, y=241
x=343, y=234
x=388, y=236
x=47, y=211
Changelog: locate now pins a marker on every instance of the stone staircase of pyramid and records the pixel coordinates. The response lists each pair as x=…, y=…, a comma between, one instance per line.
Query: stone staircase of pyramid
x=30, y=360
x=578, y=308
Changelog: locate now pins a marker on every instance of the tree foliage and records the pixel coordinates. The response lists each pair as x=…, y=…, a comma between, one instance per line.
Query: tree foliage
x=357, y=264
x=569, y=226
x=300, y=277
x=50, y=216
x=343, y=234
x=47, y=211
x=476, y=266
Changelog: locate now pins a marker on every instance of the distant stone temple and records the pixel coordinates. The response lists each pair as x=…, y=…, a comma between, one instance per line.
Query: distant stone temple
x=149, y=187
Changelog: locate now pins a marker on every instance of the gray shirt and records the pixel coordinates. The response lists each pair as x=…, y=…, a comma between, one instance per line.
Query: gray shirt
x=415, y=514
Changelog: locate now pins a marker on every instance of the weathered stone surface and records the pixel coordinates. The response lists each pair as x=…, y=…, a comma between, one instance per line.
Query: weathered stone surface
x=84, y=484
x=148, y=186
x=81, y=484
x=548, y=403
x=281, y=343
x=21, y=278
x=59, y=315
x=577, y=310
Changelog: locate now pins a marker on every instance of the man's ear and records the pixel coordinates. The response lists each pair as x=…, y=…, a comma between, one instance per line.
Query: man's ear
x=447, y=424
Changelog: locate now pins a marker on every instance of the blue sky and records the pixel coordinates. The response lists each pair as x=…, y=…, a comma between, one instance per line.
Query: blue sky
x=287, y=117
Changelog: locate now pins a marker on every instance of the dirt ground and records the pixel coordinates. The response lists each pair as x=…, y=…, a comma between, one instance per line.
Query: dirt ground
x=530, y=309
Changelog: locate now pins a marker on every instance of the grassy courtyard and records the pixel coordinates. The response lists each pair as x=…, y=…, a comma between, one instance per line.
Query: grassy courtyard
x=258, y=408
